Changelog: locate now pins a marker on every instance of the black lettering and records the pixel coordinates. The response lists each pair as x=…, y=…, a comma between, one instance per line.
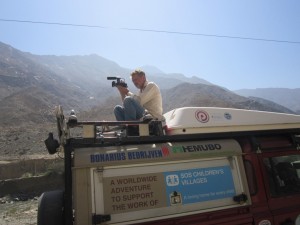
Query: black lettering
x=200, y=148
x=204, y=147
x=211, y=147
x=187, y=148
x=218, y=146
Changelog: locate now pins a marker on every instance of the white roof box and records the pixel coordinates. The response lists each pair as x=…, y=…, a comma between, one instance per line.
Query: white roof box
x=191, y=120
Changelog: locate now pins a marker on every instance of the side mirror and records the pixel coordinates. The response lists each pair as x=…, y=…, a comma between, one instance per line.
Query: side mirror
x=51, y=144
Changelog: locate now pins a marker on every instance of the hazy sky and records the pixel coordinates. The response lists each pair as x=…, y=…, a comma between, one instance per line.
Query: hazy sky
x=216, y=40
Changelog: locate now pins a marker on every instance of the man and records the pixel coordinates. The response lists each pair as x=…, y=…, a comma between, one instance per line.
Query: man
x=135, y=106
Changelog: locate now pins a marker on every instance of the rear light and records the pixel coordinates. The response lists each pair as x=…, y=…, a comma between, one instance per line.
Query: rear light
x=265, y=222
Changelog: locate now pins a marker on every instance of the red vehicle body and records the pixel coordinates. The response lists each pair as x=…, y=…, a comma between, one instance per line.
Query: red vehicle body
x=237, y=174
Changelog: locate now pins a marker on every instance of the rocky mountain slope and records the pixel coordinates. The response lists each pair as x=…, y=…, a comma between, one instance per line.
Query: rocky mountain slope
x=214, y=96
x=31, y=86
x=289, y=98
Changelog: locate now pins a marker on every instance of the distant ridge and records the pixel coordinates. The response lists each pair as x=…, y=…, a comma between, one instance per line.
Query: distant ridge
x=31, y=86
x=290, y=98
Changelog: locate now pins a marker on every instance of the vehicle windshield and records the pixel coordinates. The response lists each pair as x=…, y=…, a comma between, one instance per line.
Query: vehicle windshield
x=283, y=174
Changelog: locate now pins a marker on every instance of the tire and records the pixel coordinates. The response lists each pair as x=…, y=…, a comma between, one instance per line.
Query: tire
x=50, y=208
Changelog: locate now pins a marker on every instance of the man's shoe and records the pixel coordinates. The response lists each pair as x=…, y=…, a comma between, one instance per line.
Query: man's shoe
x=146, y=118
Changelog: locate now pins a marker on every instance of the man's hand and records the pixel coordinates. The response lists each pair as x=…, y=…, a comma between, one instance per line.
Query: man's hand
x=123, y=91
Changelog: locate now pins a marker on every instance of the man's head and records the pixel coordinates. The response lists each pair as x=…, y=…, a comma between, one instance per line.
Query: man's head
x=138, y=78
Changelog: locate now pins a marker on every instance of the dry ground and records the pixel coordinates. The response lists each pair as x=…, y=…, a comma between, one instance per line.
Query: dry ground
x=14, y=212
x=20, y=203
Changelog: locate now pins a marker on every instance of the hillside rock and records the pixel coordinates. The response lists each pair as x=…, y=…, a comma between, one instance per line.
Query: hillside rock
x=31, y=86
x=213, y=96
x=289, y=98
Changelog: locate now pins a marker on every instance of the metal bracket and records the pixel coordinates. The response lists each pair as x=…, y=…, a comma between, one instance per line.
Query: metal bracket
x=296, y=141
x=241, y=199
x=97, y=219
x=255, y=144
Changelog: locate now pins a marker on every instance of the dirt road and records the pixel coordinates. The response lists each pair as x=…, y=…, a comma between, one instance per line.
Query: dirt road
x=13, y=212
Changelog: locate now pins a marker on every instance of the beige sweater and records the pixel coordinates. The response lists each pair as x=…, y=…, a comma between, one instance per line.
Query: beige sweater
x=150, y=98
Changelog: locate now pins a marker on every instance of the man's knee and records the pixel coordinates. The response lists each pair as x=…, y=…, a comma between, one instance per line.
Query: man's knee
x=117, y=108
x=128, y=101
x=119, y=113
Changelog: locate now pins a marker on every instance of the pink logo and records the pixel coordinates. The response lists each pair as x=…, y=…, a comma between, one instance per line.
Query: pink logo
x=202, y=116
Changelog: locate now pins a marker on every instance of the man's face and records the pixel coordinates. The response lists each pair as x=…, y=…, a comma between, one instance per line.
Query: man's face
x=138, y=81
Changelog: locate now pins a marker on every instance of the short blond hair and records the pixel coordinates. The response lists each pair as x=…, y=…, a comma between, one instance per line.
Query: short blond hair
x=138, y=72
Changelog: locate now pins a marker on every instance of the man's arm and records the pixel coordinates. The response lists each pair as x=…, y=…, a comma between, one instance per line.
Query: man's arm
x=150, y=92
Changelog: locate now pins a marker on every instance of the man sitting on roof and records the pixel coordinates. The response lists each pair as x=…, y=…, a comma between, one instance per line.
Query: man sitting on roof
x=135, y=106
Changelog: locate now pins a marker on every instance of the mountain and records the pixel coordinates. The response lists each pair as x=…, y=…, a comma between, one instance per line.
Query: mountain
x=32, y=85
x=78, y=82
x=171, y=79
x=90, y=73
x=215, y=96
x=151, y=69
x=23, y=80
x=197, y=95
x=290, y=98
